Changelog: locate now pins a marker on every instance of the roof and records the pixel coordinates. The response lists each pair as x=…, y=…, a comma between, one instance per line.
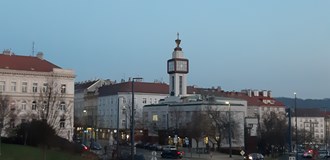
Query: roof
x=25, y=63
x=141, y=87
x=83, y=85
x=309, y=112
x=251, y=100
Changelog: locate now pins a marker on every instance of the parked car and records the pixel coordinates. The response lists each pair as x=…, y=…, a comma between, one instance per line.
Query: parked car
x=308, y=154
x=254, y=156
x=80, y=147
x=95, y=146
x=171, y=153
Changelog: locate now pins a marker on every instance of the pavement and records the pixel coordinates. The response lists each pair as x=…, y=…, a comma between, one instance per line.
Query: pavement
x=187, y=154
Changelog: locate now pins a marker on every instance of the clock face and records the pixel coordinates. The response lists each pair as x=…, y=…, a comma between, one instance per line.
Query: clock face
x=170, y=66
x=177, y=66
x=181, y=65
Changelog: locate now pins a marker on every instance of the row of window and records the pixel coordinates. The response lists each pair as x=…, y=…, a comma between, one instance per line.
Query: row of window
x=124, y=101
x=62, y=105
x=24, y=87
x=12, y=123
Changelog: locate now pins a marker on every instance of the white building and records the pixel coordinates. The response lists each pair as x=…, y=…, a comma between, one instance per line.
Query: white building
x=117, y=98
x=164, y=116
x=26, y=80
x=311, y=125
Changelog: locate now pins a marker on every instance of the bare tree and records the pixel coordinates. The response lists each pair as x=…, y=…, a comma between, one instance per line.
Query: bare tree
x=199, y=126
x=52, y=105
x=219, y=118
x=273, y=131
x=6, y=114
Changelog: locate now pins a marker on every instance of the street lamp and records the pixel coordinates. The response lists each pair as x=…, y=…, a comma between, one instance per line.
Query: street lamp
x=229, y=130
x=295, y=112
x=132, y=119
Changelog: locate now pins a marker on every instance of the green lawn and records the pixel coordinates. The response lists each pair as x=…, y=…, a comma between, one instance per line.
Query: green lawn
x=20, y=152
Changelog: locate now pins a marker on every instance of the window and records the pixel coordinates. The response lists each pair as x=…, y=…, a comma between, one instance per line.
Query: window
x=24, y=105
x=62, y=124
x=123, y=122
x=180, y=85
x=155, y=101
x=155, y=117
x=144, y=100
x=45, y=87
x=62, y=106
x=35, y=87
x=34, y=105
x=2, y=86
x=12, y=123
x=24, y=87
x=172, y=79
x=13, y=87
x=45, y=106
x=63, y=88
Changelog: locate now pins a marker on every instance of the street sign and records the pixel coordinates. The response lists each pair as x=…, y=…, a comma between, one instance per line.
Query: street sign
x=153, y=155
x=242, y=152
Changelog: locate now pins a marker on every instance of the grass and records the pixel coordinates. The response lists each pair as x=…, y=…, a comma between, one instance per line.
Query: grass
x=20, y=152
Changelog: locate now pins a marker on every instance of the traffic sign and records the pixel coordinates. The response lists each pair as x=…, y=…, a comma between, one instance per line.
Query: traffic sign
x=242, y=152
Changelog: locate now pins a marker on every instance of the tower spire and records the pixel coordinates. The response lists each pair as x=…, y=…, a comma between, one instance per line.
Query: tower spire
x=177, y=41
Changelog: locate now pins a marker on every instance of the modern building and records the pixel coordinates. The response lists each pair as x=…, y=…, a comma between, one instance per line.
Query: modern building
x=37, y=89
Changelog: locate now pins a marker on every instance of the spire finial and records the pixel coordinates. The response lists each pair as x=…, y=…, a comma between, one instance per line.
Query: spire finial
x=177, y=41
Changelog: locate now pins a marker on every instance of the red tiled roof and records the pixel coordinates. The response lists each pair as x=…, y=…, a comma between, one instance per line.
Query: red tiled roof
x=141, y=87
x=26, y=63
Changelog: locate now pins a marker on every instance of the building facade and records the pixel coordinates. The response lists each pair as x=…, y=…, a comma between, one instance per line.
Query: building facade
x=37, y=89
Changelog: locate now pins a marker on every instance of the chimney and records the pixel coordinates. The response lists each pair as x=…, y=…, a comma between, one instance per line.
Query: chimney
x=40, y=55
x=7, y=52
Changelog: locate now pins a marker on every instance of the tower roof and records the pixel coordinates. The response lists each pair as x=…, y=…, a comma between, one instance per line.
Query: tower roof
x=178, y=41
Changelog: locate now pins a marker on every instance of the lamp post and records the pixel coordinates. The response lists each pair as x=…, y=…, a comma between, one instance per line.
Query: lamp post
x=296, y=126
x=229, y=130
x=118, y=107
x=132, y=120
x=84, y=134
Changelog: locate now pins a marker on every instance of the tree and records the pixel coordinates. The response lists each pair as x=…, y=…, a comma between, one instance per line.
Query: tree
x=199, y=126
x=219, y=118
x=6, y=115
x=273, y=131
x=53, y=105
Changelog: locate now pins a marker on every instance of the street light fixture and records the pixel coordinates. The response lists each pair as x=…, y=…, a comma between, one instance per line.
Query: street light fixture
x=229, y=130
x=132, y=119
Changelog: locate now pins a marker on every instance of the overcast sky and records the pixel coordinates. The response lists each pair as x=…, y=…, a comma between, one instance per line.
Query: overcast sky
x=279, y=45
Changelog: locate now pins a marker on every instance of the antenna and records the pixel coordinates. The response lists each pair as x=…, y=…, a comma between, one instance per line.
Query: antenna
x=33, y=48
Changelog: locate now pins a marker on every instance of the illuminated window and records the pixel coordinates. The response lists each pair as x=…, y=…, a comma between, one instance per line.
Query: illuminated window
x=155, y=117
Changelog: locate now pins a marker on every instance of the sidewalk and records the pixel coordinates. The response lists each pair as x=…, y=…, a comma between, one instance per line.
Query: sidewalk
x=211, y=155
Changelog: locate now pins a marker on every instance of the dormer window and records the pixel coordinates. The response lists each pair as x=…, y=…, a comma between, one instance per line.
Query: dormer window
x=63, y=88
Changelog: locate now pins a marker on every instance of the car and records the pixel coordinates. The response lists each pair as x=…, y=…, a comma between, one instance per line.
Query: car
x=80, y=147
x=254, y=156
x=308, y=154
x=95, y=146
x=171, y=153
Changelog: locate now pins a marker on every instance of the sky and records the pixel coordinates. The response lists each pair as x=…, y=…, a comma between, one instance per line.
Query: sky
x=279, y=45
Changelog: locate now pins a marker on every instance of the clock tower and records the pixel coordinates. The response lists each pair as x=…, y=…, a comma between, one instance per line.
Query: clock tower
x=177, y=68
